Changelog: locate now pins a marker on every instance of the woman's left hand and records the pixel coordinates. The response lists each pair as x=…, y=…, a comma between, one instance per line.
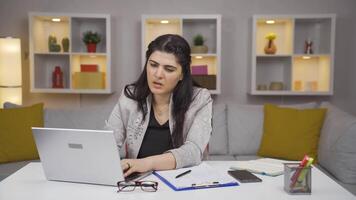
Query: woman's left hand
x=130, y=166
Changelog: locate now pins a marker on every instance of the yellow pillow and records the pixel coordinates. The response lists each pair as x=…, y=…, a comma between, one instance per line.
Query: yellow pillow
x=16, y=141
x=291, y=133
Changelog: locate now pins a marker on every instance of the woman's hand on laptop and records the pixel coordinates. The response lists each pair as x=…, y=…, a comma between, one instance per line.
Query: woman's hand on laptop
x=163, y=161
x=130, y=166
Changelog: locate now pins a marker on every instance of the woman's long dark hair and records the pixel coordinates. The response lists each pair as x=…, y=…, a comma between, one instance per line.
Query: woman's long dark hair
x=182, y=93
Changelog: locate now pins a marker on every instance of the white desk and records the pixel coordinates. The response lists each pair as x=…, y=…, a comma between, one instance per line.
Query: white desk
x=30, y=183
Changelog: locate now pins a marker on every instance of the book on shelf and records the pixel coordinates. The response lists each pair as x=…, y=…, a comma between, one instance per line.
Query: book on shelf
x=206, y=81
x=264, y=166
x=89, y=80
x=199, y=69
x=89, y=68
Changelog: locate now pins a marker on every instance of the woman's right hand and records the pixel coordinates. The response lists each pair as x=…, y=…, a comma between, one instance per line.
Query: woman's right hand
x=130, y=166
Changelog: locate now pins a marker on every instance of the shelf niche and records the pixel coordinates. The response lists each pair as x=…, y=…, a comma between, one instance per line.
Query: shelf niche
x=205, y=27
x=273, y=69
x=317, y=31
x=284, y=35
x=44, y=67
x=82, y=25
x=43, y=27
x=301, y=72
x=313, y=74
x=159, y=26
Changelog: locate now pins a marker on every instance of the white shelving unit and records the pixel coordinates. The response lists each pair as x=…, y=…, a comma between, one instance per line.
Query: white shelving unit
x=188, y=26
x=72, y=26
x=300, y=73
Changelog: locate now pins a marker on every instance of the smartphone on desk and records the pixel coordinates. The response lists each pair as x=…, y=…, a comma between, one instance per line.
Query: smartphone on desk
x=244, y=176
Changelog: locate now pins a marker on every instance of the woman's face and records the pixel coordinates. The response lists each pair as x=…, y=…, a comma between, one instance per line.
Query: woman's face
x=163, y=73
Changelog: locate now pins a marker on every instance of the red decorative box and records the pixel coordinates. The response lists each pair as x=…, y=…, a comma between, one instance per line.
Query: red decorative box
x=199, y=69
x=89, y=68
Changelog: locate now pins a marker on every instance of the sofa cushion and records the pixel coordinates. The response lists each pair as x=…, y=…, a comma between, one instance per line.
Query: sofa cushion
x=220, y=157
x=245, y=125
x=290, y=133
x=8, y=105
x=218, y=141
x=350, y=187
x=337, y=145
x=244, y=128
x=16, y=140
x=78, y=118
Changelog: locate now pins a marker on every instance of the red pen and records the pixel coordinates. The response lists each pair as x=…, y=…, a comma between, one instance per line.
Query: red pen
x=295, y=176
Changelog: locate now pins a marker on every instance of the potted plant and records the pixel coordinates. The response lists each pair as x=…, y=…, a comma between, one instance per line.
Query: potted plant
x=270, y=47
x=91, y=39
x=199, y=46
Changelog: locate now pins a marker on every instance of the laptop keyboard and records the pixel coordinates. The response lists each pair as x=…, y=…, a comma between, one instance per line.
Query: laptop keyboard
x=132, y=176
x=137, y=176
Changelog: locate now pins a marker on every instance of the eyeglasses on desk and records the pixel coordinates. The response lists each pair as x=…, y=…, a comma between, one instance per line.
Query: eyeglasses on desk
x=147, y=186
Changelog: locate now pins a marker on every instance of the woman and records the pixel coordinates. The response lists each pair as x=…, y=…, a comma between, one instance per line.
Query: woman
x=165, y=121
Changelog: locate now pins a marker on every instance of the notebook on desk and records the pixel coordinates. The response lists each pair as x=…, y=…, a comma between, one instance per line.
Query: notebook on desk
x=84, y=156
x=200, y=177
x=264, y=166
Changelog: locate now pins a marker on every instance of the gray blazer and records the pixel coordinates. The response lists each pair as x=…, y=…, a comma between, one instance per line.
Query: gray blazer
x=126, y=121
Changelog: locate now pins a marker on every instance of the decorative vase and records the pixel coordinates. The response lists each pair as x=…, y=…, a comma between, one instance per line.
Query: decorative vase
x=298, y=85
x=261, y=87
x=276, y=85
x=52, y=40
x=57, y=77
x=52, y=44
x=199, y=49
x=270, y=47
x=65, y=44
x=91, y=47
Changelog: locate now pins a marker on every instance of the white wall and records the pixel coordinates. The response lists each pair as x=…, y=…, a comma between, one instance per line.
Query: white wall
x=236, y=42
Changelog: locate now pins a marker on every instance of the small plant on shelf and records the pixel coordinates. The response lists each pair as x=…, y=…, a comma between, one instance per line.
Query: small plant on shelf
x=198, y=40
x=270, y=47
x=199, y=46
x=91, y=39
x=271, y=36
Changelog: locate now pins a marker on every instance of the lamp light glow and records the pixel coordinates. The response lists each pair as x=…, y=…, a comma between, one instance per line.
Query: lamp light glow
x=10, y=71
x=270, y=21
x=164, y=22
x=198, y=57
x=56, y=19
x=306, y=57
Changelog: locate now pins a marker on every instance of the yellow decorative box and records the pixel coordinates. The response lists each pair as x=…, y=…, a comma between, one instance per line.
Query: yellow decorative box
x=89, y=80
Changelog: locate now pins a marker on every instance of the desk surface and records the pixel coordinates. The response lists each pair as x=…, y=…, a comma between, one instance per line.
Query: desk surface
x=30, y=183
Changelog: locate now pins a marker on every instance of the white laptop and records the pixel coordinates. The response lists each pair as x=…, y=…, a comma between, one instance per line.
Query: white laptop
x=76, y=155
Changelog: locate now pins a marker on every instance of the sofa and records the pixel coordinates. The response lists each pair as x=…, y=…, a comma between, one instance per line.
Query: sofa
x=237, y=133
x=238, y=129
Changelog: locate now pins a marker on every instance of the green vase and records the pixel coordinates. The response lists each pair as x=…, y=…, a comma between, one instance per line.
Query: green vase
x=65, y=44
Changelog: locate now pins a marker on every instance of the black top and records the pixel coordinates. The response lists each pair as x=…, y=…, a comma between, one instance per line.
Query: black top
x=157, y=139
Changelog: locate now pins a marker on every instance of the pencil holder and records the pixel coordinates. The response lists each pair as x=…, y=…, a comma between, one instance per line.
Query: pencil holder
x=297, y=180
